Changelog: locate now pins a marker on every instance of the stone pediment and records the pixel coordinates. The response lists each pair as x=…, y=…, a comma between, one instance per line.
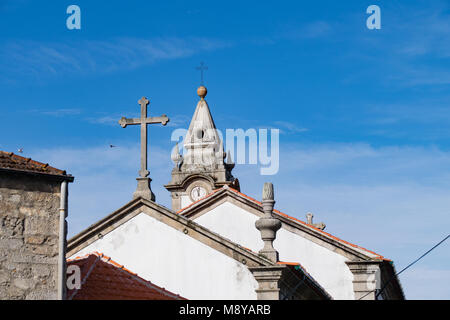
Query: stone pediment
x=253, y=206
x=140, y=205
x=255, y=262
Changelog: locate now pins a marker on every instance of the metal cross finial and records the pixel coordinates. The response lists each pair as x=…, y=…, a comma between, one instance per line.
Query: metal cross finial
x=202, y=67
x=143, y=121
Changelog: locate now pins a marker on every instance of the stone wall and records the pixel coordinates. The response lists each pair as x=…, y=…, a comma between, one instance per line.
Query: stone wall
x=29, y=219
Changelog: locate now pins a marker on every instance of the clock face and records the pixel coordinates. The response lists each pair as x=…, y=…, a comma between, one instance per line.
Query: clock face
x=198, y=193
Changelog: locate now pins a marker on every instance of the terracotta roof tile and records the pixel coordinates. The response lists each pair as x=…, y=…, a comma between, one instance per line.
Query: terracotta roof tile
x=287, y=216
x=11, y=161
x=297, y=267
x=201, y=199
x=104, y=279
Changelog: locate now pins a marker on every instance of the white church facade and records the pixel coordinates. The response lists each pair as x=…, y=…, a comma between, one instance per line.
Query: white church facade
x=218, y=243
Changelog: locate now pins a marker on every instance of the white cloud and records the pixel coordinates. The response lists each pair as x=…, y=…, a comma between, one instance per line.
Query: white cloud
x=179, y=120
x=426, y=30
x=289, y=127
x=424, y=282
x=40, y=59
x=61, y=112
x=310, y=30
x=104, y=177
x=414, y=37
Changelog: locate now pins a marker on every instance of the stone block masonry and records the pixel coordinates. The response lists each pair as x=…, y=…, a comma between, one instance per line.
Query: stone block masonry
x=29, y=219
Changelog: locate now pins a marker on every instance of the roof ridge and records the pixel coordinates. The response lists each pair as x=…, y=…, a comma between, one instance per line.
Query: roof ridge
x=45, y=167
x=379, y=256
x=193, y=203
x=84, y=236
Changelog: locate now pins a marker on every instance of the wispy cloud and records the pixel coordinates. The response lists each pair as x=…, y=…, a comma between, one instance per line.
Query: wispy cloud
x=427, y=111
x=179, y=120
x=109, y=120
x=289, y=127
x=112, y=120
x=40, y=59
x=104, y=177
x=419, y=120
x=426, y=282
x=304, y=31
x=427, y=31
x=60, y=112
x=405, y=51
x=312, y=30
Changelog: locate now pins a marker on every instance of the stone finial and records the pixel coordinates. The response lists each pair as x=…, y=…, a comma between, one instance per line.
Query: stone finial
x=176, y=157
x=268, y=191
x=201, y=91
x=268, y=225
x=309, y=220
x=229, y=158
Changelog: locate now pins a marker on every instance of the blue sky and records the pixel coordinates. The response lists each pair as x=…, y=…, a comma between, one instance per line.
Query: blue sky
x=364, y=114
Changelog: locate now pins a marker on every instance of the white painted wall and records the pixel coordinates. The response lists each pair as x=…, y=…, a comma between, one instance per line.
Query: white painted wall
x=325, y=266
x=175, y=261
x=185, y=201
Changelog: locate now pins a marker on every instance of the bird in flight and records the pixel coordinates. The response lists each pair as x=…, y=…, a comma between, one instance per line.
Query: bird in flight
x=20, y=150
x=112, y=146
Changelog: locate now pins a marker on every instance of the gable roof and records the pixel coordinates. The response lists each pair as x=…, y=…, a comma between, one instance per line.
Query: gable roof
x=12, y=162
x=163, y=214
x=359, y=251
x=190, y=228
x=104, y=279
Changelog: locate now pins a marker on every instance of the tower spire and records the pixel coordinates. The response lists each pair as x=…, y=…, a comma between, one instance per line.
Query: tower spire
x=203, y=163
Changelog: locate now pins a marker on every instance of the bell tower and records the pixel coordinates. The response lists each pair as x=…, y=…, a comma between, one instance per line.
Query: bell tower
x=203, y=168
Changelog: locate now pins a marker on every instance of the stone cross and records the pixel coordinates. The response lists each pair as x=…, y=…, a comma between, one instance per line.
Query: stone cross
x=144, y=189
x=202, y=67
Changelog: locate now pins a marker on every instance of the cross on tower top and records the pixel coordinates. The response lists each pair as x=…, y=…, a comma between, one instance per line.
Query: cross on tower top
x=143, y=189
x=202, y=67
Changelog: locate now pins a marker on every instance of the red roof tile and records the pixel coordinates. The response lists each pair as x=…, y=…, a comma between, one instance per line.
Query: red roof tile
x=104, y=279
x=201, y=199
x=297, y=267
x=289, y=217
x=11, y=161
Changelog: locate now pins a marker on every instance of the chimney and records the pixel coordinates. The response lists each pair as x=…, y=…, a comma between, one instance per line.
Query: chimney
x=267, y=224
x=309, y=220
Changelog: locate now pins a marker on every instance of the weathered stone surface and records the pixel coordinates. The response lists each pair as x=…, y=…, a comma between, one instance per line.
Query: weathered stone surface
x=4, y=277
x=11, y=243
x=29, y=219
x=37, y=239
x=23, y=283
x=41, y=295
